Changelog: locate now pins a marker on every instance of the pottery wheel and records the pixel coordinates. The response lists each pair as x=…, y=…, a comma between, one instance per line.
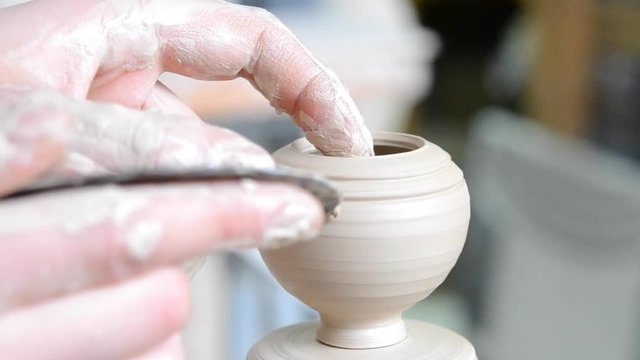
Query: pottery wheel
x=425, y=341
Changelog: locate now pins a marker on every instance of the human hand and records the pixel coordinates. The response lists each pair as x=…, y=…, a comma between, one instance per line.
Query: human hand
x=92, y=273
x=114, y=51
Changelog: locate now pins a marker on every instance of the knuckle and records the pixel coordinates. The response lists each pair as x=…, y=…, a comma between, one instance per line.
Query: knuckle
x=264, y=16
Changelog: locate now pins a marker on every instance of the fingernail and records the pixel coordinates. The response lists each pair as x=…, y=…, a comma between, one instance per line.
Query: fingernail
x=297, y=222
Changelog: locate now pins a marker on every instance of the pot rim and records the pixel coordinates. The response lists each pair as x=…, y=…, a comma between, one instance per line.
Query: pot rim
x=422, y=158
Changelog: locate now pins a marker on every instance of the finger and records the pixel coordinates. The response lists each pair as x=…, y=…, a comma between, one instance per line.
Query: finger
x=163, y=100
x=121, y=59
x=33, y=133
x=170, y=349
x=109, y=323
x=224, y=41
x=76, y=164
x=109, y=137
x=119, y=138
x=61, y=242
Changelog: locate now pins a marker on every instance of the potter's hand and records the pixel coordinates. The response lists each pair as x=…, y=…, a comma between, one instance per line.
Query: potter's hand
x=114, y=51
x=93, y=273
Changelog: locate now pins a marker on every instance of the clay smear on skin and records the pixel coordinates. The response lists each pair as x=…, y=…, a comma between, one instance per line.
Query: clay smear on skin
x=117, y=137
x=338, y=128
x=142, y=239
x=7, y=150
x=25, y=125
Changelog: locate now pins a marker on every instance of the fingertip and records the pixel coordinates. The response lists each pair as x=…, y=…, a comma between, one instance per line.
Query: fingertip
x=170, y=299
x=299, y=220
x=332, y=122
x=236, y=215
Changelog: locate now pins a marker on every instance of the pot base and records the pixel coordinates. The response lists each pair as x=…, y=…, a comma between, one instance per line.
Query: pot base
x=425, y=341
x=391, y=333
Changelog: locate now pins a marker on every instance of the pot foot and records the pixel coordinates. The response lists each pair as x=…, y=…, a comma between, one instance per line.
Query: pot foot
x=363, y=338
x=424, y=341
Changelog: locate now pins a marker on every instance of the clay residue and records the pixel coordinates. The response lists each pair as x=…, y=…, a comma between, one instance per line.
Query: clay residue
x=142, y=239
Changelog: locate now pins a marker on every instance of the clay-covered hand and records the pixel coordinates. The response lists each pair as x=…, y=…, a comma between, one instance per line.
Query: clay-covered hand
x=94, y=273
x=114, y=50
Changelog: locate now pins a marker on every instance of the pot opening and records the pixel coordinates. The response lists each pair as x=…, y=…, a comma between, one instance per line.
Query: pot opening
x=380, y=150
x=383, y=144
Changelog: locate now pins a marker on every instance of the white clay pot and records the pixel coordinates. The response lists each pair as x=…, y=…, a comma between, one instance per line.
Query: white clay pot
x=400, y=229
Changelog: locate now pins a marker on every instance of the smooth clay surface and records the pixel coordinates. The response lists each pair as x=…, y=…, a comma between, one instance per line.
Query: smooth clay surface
x=425, y=341
x=400, y=229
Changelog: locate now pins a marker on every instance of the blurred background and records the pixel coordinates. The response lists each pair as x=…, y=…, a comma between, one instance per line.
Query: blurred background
x=538, y=102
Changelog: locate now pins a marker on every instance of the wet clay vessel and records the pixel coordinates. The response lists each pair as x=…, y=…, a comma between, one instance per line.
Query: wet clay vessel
x=399, y=230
